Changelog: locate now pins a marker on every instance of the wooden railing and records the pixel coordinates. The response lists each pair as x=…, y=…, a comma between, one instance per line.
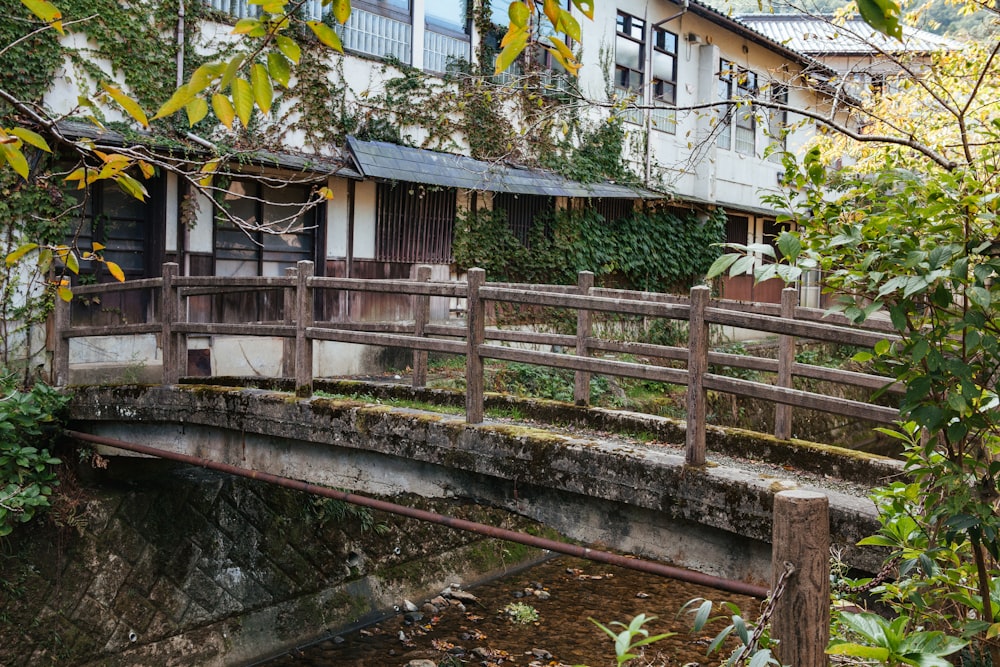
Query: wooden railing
x=478, y=342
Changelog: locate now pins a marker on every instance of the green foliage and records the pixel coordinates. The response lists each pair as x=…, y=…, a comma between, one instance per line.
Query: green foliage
x=327, y=510
x=633, y=636
x=27, y=66
x=652, y=250
x=894, y=642
x=912, y=234
x=521, y=613
x=755, y=643
x=541, y=382
x=26, y=477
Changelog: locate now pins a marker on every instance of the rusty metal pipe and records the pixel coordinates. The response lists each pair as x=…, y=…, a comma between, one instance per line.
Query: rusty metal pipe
x=650, y=567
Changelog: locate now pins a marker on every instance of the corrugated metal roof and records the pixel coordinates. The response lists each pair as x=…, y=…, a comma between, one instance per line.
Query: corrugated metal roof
x=301, y=162
x=386, y=161
x=819, y=36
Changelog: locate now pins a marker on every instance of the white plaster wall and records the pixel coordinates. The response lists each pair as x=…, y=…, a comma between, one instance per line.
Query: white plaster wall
x=200, y=235
x=364, y=220
x=337, y=218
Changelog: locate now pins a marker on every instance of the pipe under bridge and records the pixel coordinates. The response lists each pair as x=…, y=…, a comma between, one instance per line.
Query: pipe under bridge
x=635, y=495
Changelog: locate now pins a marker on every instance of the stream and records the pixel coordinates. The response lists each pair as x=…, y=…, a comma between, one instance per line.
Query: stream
x=564, y=592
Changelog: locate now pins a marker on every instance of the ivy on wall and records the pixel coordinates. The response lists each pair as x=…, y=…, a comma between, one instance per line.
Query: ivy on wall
x=653, y=250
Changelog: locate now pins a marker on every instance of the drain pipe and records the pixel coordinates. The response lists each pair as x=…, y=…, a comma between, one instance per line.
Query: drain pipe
x=650, y=567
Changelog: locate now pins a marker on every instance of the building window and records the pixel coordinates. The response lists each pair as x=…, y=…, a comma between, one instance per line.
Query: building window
x=777, y=121
x=121, y=223
x=524, y=212
x=737, y=83
x=396, y=8
x=630, y=49
x=414, y=223
x=664, y=66
x=449, y=15
x=291, y=235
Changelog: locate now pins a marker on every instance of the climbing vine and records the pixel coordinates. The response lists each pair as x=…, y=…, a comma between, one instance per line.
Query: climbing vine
x=653, y=250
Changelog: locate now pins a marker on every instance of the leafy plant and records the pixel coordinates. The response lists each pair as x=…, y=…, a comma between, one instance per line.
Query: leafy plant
x=26, y=477
x=894, y=642
x=755, y=642
x=626, y=641
x=521, y=613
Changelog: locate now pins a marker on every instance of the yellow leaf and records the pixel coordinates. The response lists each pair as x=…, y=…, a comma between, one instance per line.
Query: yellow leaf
x=203, y=76
x=326, y=35
x=585, y=6
x=65, y=293
x=569, y=25
x=519, y=14
x=511, y=51
x=569, y=63
x=72, y=263
x=242, y=100
x=551, y=9
x=115, y=271
x=263, y=91
x=223, y=109
x=148, y=171
x=209, y=168
x=46, y=11
x=232, y=67
x=98, y=247
x=289, y=47
x=78, y=174
x=325, y=193
x=278, y=68
x=131, y=186
x=31, y=138
x=177, y=101
x=20, y=252
x=196, y=110
x=248, y=27
x=341, y=10
x=15, y=158
x=130, y=106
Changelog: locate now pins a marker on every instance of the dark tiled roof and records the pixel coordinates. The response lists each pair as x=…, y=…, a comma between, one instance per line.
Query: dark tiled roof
x=391, y=162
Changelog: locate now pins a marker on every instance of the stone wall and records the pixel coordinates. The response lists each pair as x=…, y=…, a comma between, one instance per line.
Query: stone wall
x=172, y=565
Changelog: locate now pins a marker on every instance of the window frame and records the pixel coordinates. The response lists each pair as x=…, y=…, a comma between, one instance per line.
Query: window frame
x=310, y=227
x=380, y=7
x=628, y=21
x=657, y=82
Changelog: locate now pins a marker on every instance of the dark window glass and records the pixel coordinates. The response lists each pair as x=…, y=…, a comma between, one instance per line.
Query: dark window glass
x=290, y=234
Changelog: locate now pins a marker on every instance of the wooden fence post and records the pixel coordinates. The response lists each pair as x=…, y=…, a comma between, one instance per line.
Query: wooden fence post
x=584, y=327
x=421, y=315
x=476, y=321
x=169, y=314
x=801, y=537
x=786, y=359
x=697, y=367
x=60, y=345
x=288, y=311
x=304, y=313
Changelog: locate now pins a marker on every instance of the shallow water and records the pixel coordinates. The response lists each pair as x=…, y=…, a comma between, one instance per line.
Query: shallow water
x=575, y=590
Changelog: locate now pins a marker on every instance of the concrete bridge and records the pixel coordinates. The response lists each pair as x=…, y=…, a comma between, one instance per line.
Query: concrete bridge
x=587, y=478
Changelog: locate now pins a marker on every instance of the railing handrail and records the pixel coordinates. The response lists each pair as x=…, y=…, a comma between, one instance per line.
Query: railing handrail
x=478, y=341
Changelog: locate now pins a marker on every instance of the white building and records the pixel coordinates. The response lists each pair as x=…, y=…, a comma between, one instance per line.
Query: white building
x=668, y=68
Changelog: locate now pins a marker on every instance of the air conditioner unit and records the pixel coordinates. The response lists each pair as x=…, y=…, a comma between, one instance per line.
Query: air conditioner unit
x=693, y=38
